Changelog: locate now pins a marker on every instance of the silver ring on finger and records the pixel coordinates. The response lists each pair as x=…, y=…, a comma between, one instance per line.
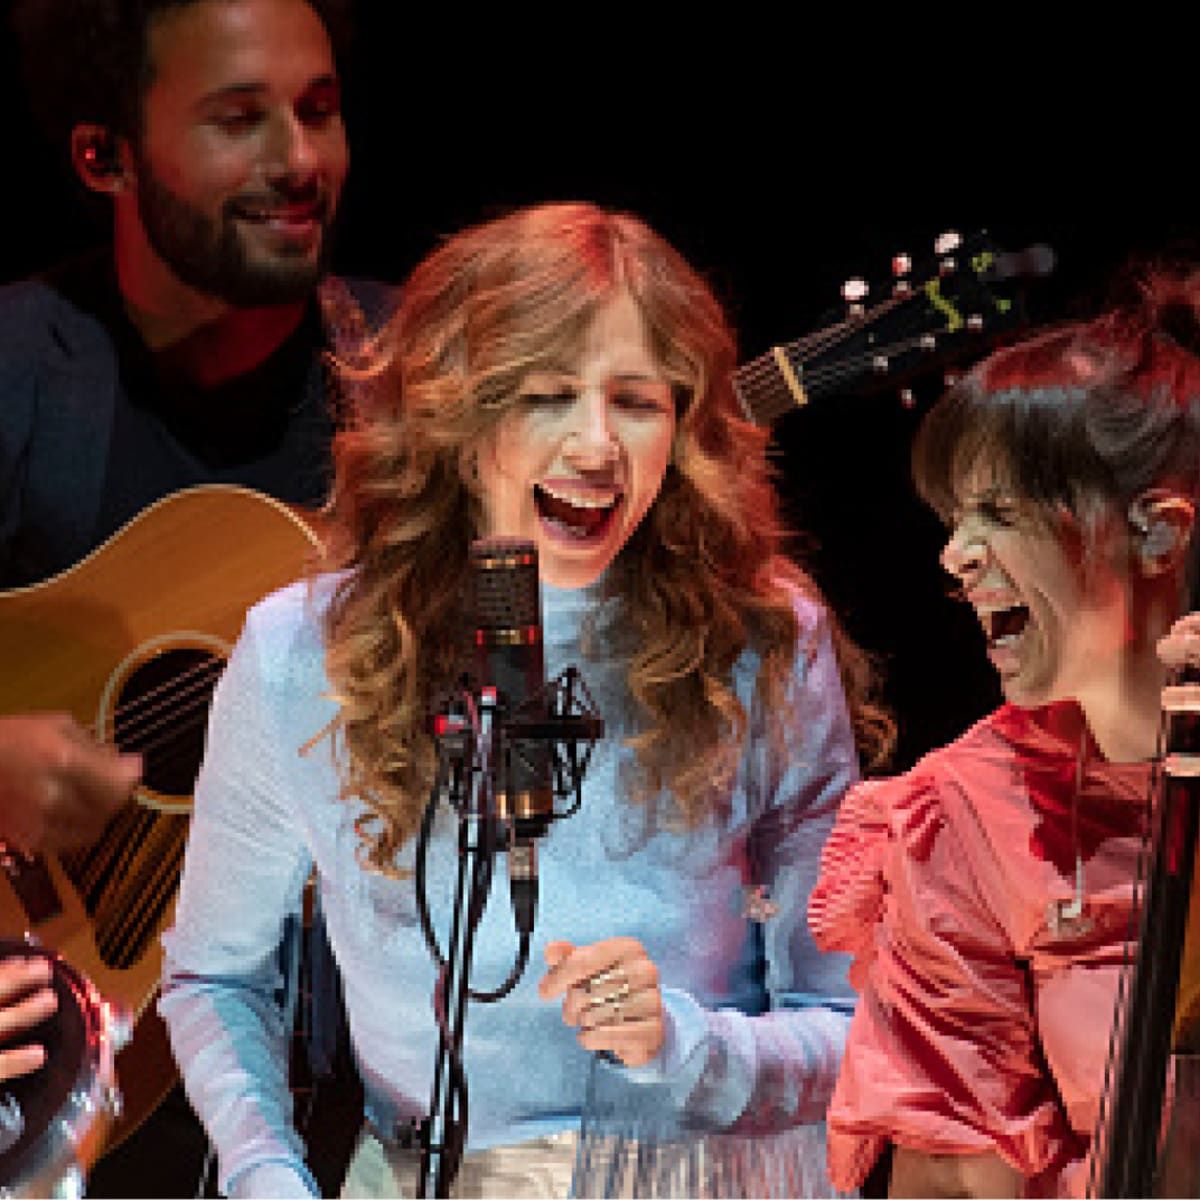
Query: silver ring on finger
x=597, y=984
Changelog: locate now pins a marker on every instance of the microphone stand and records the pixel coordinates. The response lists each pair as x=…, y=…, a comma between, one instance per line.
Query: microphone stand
x=569, y=717
x=442, y=1144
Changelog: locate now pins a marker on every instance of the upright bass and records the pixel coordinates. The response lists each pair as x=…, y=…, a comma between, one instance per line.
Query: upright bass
x=1149, y=1122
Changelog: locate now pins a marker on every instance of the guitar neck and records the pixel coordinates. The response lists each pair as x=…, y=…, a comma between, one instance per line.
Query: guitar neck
x=931, y=317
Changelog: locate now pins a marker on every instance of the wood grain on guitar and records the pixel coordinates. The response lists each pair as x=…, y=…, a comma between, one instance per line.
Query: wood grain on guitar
x=131, y=642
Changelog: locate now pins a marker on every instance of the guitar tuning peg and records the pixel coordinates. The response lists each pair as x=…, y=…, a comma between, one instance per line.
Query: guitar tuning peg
x=944, y=246
x=928, y=341
x=907, y=399
x=854, y=292
x=901, y=266
x=975, y=322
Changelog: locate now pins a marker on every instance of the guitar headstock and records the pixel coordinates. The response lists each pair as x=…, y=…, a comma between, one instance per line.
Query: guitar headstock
x=930, y=312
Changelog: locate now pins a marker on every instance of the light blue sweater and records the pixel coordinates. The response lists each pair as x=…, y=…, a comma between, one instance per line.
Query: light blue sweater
x=756, y=1016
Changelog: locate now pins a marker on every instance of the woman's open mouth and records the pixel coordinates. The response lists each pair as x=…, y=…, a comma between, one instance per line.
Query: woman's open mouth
x=1005, y=624
x=1005, y=628
x=576, y=518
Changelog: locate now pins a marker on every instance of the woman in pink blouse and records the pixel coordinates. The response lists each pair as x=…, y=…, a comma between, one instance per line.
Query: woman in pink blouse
x=986, y=893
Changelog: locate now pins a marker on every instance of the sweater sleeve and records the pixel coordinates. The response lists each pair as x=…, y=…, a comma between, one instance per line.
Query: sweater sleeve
x=222, y=994
x=742, y=1072
x=942, y=1055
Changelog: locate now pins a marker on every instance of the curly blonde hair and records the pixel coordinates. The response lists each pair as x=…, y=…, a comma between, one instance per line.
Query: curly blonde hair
x=701, y=579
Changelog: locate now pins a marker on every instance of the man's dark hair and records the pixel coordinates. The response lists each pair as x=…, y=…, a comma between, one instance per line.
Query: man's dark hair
x=88, y=60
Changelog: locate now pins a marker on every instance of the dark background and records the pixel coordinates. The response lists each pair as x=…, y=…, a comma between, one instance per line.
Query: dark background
x=775, y=182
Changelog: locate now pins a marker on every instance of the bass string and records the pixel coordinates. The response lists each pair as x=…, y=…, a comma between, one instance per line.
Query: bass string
x=1147, y=850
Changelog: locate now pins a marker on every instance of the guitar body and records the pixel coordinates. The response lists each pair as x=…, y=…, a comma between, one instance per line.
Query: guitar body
x=131, y=641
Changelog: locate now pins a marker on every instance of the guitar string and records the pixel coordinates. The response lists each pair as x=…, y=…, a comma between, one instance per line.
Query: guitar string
x=835, y=373
x=126, y=852
x=764, y=363
x=138, y=734
x=164, y=879
x=769, y=372
x=84, y=865
x=115, y=895
x=103, y=892
x=92, y=869
x=153, y=878
x=117, y=863
x=848, y=370
x=818, y=342
x=764, y=366
x=119, y=853
x=121, y=842
x=109, y=925
x=125, y=707
x=111, y=852
x=821, y=339
x=850, y=365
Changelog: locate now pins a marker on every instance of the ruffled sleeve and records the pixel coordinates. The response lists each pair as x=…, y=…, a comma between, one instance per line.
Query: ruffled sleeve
x=846, y=904
x=942, y=1055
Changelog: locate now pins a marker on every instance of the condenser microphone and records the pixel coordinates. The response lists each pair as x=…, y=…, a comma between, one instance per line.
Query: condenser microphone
x=509, y=657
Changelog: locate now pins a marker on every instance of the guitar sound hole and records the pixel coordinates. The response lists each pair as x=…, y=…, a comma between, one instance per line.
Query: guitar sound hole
x=162, y=713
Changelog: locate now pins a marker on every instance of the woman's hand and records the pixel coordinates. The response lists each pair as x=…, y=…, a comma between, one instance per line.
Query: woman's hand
x=1181, y=647
x=610, y=992
x=26, y=1000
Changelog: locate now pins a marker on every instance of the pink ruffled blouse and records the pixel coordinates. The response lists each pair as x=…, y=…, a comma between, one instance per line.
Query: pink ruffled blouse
x=984, y=1022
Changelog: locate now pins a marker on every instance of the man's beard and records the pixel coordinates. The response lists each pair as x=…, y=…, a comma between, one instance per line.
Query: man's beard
x=208, y=254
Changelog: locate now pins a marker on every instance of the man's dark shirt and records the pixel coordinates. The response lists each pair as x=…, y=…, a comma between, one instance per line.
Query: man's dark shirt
x=94, y=428
x=159, y=432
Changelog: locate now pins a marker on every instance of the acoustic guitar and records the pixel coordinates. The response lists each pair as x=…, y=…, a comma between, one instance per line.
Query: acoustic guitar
x=131, y=642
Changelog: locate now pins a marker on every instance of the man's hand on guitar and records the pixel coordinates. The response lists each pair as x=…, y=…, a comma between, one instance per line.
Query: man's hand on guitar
x=26, y=999
x=58, y=785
